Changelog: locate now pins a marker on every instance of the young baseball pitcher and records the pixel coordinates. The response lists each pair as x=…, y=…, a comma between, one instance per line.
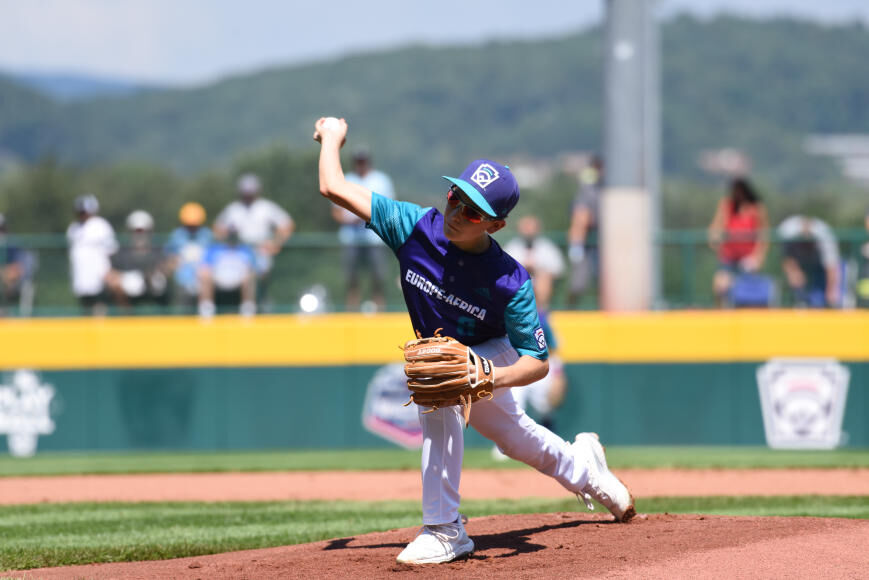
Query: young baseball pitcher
x=457, y=279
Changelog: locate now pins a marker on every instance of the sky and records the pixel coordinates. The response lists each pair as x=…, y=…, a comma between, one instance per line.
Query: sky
x=189, y=42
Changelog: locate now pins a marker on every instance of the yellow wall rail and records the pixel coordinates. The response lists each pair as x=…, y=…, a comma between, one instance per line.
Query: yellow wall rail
x=712, y=336
x=353, y=339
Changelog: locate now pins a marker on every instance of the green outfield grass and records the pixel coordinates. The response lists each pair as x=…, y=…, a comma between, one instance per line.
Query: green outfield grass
x=361, y=459
x=64, y=534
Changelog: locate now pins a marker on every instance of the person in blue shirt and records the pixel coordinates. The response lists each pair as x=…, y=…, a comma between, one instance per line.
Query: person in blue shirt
x=185, y=251
x=227, y=276
x=363, y=252
x=455, y=277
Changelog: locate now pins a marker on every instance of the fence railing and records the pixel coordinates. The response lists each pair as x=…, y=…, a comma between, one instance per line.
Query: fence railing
x=314, y=261
x=688, y=266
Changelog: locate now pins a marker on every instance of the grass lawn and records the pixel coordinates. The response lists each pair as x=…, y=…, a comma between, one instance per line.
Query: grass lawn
x=364, y=459
x=63, y=534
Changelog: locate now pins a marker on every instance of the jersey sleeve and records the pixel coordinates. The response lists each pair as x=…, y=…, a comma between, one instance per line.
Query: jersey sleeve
x=523, y=325
x=210, y=255
x=393, y=220
x=549, y=257
x=106, y=236
x=386, y=187
x=827, y=246
x=222, y=218
x=517, y=249
x=173, y=244
x=278, y=215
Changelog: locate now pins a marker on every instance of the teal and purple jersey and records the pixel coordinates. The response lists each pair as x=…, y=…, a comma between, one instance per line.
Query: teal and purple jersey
x=472, y=297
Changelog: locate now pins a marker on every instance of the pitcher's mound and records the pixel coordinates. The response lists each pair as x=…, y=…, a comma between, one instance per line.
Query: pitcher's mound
x=559, y=545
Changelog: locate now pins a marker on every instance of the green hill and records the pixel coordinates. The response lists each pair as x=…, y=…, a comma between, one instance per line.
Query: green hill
x=24, y=116
x=67, y=87
x=757, y=85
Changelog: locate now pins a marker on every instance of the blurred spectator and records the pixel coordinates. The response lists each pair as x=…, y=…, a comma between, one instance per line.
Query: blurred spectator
x=138, y=274
x=363, y=250
x=811, y=261
x=13, y=271
x=738, y=234
x=227, y=277
x=544, y=262
x=259, y=222
x=91, y=244
x=582, y=234
x=863, y=270
x=185, y=252
x=539, y=256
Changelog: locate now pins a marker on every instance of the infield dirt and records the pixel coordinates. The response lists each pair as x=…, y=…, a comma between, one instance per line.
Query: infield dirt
x=405, y=485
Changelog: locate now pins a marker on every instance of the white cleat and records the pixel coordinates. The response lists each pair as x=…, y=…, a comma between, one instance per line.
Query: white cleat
x=437, y=544
x=602, y=485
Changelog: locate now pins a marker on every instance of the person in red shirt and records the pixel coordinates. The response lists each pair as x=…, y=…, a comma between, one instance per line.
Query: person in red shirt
x=738, y=233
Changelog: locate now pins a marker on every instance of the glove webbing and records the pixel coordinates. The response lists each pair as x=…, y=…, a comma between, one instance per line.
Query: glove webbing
x=465, y=400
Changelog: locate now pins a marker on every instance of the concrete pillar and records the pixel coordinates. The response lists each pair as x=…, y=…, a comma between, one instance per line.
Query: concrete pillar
x=629, y=213
x=625, y=251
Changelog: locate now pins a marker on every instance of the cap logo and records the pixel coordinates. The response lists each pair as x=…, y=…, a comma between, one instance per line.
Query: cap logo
x=484, y=175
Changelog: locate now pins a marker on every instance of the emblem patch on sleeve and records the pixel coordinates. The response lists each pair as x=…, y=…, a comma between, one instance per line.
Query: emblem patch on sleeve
x=541, y=339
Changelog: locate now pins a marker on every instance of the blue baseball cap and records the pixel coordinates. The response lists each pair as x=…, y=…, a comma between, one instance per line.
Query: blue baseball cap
x=490, y=186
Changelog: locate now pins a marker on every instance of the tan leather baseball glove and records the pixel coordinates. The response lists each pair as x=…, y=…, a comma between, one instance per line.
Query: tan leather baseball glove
x=442, y=372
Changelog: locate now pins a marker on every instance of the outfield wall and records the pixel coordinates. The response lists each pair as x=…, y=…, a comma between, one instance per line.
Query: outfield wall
x=299, y=381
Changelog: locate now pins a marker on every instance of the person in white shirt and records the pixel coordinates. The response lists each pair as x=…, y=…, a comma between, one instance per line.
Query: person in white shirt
x=539, y=255
x=363, y=250
x=91, y=241
x=261, y=224
x=545, y=263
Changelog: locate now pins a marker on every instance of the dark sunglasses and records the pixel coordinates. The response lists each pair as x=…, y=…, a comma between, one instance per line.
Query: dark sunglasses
x=468, y=212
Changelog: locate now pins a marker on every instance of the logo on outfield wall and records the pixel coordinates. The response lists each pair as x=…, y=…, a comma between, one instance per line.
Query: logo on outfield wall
x=803, y=402
x=384, y=413
x=25, y=411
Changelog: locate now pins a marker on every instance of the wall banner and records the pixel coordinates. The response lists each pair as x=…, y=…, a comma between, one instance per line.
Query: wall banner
x=385, y=412
x=803, y=402
x=25, y=411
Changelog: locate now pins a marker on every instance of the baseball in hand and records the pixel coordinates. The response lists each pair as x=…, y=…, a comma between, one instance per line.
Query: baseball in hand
x=328, y=124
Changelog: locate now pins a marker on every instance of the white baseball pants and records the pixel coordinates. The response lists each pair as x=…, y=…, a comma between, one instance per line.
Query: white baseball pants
x=506, y=424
